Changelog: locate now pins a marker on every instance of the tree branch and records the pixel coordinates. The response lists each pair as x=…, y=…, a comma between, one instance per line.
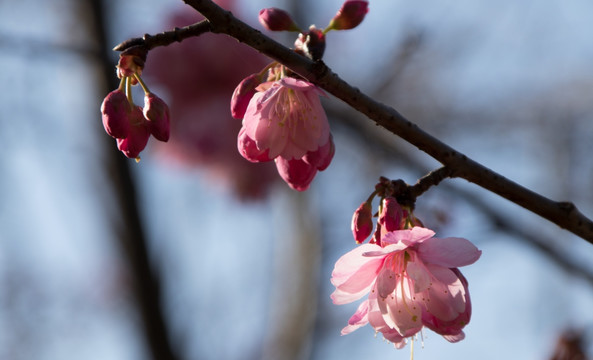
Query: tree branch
x=563, y=214
x=167, y=37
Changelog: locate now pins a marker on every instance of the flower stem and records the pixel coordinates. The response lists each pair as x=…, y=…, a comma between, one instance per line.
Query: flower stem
x=144, y=87
x=129, y=91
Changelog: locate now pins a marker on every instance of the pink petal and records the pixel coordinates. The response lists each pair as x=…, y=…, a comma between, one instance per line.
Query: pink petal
x=386, y=250
x=448, y=252
x=386, y=281
x=419, y=274
x=354, y=274
x=404, y=310
x=296, y=173
x=446, y=294
x=408, y=236
x=359, y=319
x=322, y=157
x=454, y=338
x=248, y=149
x=243, y=94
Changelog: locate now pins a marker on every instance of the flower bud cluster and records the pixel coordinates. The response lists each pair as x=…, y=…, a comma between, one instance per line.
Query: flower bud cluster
x=392, y=215
x=311, y=43
x=129, y=124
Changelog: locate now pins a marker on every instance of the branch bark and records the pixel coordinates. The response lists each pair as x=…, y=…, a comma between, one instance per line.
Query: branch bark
x=564, y=214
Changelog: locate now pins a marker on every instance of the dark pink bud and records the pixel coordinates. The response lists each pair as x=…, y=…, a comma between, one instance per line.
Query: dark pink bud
x=311, y=44
x=115, y=111
x=277, y=20
x=350, y=15
x=156, y=112
x=243, y=94
x=322, y=157
x=137, y=139
x=391, y=214
x=362, y=222
x=248, y=148
x=297, y=173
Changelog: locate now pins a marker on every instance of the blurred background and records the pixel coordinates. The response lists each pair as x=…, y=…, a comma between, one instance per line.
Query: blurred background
x=194, y=253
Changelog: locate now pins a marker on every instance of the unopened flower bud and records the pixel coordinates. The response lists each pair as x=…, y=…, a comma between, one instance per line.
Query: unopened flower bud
x=138, y=136
x=275, y=19
x=362, y=222
x=311, y=43
x=391, y=214
x=115, y=112
x=243, y=94
x=156, y=112
x=350, y=15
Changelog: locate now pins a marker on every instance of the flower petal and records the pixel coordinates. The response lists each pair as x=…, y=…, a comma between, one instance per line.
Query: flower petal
x=354, y=274
x=386, y=282
x=446, y=294
x=455, y=338
x=408, y=237
x=419, y=274
x=448, y=252
x=359, y=319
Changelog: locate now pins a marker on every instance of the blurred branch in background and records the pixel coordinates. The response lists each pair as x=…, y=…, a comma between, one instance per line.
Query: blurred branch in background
x=146, y=281
x=297, y=257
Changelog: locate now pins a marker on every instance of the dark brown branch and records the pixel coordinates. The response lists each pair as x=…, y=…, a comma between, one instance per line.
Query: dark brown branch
x=167, y=37
x=563, y=214
x=433, y=178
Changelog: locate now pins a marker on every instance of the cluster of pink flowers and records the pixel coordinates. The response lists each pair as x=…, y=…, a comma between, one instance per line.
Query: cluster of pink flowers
x=129, y=124
x=411, y=277
x=283, y=119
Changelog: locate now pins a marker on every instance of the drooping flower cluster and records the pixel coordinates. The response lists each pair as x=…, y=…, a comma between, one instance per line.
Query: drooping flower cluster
x=411, y=277
x=283, y=119
x=129, y=124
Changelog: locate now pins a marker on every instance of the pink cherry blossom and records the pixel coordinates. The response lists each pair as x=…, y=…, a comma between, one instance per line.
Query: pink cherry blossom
x=412, y=281
x=285, y=122
x=287, y=119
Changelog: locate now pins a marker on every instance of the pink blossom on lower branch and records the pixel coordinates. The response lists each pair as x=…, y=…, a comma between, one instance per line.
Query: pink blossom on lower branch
x=412, y=281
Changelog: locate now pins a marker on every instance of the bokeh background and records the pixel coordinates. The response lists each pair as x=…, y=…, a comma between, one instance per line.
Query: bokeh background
x=194, y=253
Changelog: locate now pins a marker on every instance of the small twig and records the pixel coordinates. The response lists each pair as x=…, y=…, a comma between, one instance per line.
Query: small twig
x=167, y=37
x=433, y=178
